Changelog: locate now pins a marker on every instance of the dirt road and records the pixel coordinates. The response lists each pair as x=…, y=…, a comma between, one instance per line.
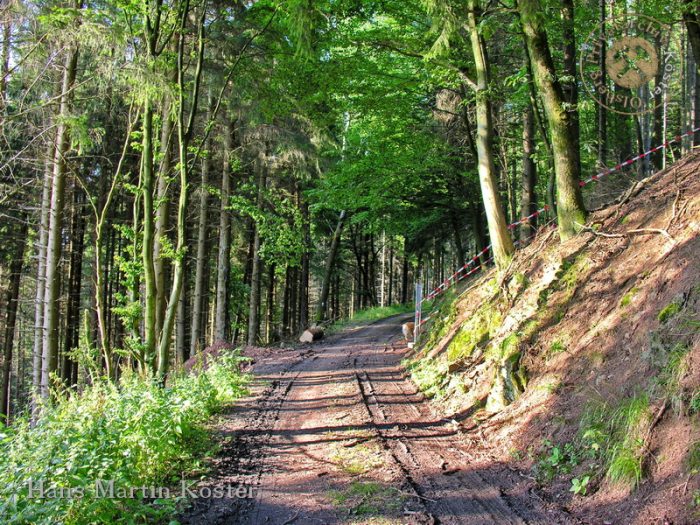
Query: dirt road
x=336, y=433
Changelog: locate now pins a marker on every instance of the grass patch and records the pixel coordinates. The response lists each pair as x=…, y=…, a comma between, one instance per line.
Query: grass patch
x=615, y=435
x=557, y=347
x=628, y=297
x=363, y=498
x=134, y=432
x=430, y=376
x=669, y=311
x=369, y=315
x=358, y=459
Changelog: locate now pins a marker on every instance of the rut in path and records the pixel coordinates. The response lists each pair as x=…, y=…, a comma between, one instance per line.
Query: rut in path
x=343, y=415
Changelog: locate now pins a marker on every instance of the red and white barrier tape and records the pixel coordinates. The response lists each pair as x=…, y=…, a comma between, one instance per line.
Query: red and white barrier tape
x=458, y=276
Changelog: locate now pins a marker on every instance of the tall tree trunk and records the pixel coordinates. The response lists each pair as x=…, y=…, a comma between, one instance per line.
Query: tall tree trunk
x=404, y=276
x=185, y=127
x=201, y=276
x=528, y=200
x=691, y=17
x=562, y=122
x=602, y=110
x=5, y=60
x=254, y=306
x=42, y=239
x=270, y=306
x=160, y=264
x=224, y=260
x=305, y=260
x=322, y=307
x=55, y=230
x=500, y=238
x=11, y=301
x=75, y=275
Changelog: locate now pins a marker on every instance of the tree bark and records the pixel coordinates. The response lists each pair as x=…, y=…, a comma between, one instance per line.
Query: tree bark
x=224, y=259
x=602, y=110
x=254, y=306
x=42, y=239
x=55, y=229
x=562, y=122
x=11, y=301
x=500, y=238
x=691, y=17
x=322, y=307
x=201, y=276
x=528, y=200
x=305, y=259
x=75, y=275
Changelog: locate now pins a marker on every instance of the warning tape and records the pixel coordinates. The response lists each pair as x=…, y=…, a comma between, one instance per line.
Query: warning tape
x=459, y=275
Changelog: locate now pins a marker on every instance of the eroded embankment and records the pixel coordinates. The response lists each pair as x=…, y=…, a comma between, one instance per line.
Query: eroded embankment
x=581, y=362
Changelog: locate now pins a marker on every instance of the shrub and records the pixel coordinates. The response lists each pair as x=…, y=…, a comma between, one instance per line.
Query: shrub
x=136, y=433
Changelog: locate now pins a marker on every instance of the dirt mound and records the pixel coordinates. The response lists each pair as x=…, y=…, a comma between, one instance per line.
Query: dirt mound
x=581, y=362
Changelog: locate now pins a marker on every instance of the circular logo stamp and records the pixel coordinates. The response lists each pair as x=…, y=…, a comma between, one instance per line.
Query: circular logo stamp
x=627, y=62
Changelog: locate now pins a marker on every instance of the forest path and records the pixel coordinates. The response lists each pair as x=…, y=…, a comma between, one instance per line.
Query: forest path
x=337, y=433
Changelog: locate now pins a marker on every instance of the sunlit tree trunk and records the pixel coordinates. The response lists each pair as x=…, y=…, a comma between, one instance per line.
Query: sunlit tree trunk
x=561, y=121
x=500, y=238
x=55, y=228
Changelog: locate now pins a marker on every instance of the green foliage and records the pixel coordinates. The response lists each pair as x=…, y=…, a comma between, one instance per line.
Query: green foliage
x=367, y=498
x=693, y=459
x=476, y=330
x=669, y=311
x=668, y=382
x=627, y=298
x=616, y=436
x=555, y=460
x=136, y=433
x=557, y=347
x=579, y=486
x=430, y=376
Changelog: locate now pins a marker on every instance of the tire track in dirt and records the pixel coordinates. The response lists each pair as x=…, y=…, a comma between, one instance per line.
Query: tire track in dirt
x=350, y=392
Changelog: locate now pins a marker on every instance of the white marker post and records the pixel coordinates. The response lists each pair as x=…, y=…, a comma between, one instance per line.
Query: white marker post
x=419, y=308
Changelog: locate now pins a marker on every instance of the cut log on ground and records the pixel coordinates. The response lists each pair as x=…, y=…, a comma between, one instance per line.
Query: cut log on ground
x=312, y=334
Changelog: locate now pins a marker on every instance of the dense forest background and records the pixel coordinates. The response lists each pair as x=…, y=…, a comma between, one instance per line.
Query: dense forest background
x=179, y=173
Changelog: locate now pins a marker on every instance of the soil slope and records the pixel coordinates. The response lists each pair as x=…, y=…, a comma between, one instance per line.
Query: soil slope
x=582, y=361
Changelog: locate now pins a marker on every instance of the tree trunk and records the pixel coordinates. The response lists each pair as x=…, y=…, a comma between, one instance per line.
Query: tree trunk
x=160, y=264
x=201, y=276
x=12, y=300
x=42, y=239
x=148, y=240
x=528, y=200
x=322, y=307
x=500, y=238
x=55, y=229
x=562, y=123
x=305, y=259
x=75, y=275
x=692, y=23
x=602, y=110
x=224, y=260
x=270, y=306
x=404, y=276
x=184, y=133
x=254, y=306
